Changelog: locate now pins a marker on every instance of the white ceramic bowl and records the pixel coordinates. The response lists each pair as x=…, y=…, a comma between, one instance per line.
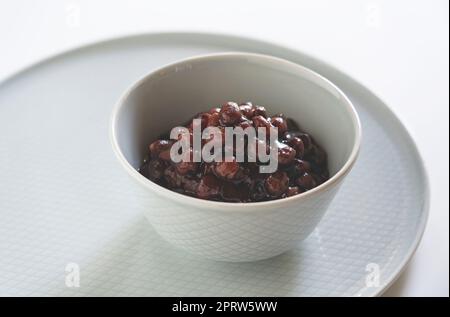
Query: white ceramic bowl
x=224, y=231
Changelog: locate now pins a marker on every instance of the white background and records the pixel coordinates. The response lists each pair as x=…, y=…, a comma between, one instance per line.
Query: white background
x=399, y=49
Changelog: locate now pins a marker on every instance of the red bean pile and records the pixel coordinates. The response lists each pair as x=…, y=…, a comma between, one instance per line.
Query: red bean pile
x=302, y=163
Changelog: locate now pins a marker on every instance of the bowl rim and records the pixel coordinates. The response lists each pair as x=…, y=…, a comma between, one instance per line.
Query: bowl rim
x=231, y=206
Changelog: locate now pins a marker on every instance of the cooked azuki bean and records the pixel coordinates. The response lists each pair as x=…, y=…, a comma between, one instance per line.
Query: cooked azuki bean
x=206, y=168
x=258, y=191
x=165, y=156
x=204, y=117
x=155, y=169
x=277, y=183
x=307, y=142
x=319, y=180
x=297, y=144
x=260, y=121
x=302, y=162
x=230, y=192
x=318, y=155
x=230, y=113
x=301, y=166
x=214, y=110
x=292, y=191
x=286, y=155
x=173, y=179
x=244, y=124
x=228, y=170
x=213, y=120
x=234, y=193
x=280, y=123
x=288, y=135
x=209, y=187
x=260, y=111
x=306, y=181
x=158, y=147
x=184, y=168
x=190, y=185
x=247, y=109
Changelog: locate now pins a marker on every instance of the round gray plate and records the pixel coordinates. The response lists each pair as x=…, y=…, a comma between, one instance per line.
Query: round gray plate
x=64, y=203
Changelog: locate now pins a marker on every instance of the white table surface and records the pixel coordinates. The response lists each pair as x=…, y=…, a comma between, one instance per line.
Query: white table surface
x=399, y=49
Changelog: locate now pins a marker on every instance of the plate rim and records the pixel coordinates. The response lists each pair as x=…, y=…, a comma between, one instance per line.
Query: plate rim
x=274, y=47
